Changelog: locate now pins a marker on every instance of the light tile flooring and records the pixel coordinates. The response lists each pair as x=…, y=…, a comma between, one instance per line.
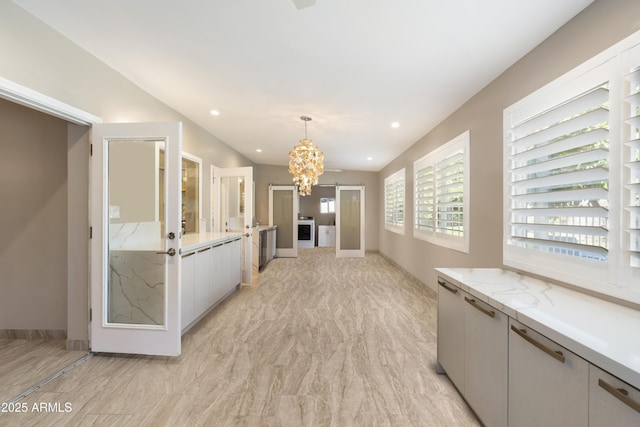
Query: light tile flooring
x=25, y=362
x=318, y=341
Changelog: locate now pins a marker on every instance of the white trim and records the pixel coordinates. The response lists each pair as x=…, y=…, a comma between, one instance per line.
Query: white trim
x=38, y=101
x=197, y=160
x=348, y=253
x=458, y=243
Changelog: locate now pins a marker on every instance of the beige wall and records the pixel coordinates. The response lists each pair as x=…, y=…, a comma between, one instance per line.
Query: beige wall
x=601, y=25
x=33, y=219
x=279, y=175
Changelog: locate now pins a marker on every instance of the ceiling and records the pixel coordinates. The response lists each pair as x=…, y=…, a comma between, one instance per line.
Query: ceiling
x=353, y=66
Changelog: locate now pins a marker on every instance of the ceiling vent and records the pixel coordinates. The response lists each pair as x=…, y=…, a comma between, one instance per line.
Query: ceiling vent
x=302, y=4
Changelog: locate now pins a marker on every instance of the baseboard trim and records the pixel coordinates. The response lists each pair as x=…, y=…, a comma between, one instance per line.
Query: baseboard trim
x=33, y=334
x=77, y=345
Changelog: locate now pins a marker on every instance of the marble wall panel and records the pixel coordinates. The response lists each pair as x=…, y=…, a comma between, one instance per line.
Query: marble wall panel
x=136, y=287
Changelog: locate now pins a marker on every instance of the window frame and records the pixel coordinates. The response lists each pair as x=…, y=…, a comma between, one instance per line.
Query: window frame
x=616, y=276
x=395, y=179
x=431, y=159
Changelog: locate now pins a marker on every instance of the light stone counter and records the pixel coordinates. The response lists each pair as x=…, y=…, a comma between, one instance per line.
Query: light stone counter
x=602, y=332
x=195, y=241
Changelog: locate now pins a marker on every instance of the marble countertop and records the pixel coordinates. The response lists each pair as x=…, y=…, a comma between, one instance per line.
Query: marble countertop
x=604, y=333
x=195, y=241
x=265, y=227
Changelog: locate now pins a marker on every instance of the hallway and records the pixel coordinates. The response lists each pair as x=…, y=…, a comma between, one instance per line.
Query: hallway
x=318, y=341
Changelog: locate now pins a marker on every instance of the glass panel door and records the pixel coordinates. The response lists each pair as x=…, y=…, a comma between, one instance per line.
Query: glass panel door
x=234, y=209
x=283, y=212
x=350, y=221
x=136, y=236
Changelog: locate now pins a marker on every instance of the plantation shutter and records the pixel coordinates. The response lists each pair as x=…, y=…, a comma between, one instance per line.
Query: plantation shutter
x=558, y=178
x=449, y=189
x=425, y=199
x=394, y=200
x=632, y=162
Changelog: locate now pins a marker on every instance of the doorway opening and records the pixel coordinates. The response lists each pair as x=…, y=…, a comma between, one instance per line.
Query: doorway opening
x=38, y=228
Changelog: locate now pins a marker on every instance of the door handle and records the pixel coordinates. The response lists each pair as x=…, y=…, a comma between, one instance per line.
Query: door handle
x=444, y=285
x=247, y=235
x=170, y=252
x=556, y=354
x=620, y=394
x=474, y=304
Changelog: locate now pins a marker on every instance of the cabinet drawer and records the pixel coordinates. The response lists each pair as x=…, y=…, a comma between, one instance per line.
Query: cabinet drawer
x=486, y=361
x=548, y=385
x=612, y=402
x=451, y=332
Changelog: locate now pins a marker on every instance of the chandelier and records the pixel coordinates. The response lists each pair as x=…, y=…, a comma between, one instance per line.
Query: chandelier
x=306, y=163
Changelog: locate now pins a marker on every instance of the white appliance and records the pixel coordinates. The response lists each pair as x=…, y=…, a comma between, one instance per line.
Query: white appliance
x=306, y=233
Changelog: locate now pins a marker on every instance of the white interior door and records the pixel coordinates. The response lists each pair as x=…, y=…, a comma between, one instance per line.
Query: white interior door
x=135, y=219
x=283, y=212
x=349, y=221
x=233, y=206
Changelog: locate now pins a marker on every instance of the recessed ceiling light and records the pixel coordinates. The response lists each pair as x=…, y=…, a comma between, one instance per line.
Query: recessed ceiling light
x=395, y=125
x=215, y=112
x=369, y=158
x=258, y=150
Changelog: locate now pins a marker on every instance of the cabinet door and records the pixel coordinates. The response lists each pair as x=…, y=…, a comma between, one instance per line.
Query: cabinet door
x=271, y=244
x=201, y=291
x=236, y=264
x=216, y=279
x=612, y=402
x=548, y=385
x=188, y=275
x=451, y=346
x=486, y=361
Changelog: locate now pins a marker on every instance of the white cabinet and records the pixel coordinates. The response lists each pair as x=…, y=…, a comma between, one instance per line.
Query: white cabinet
x=271, y=243
x=188, y=275
x=326, y=235
x=209, y=273
x=548, y=385
x=218, y=273
x=234, y=263
x=486, y=361
x=201, y=287
x=451, y=345
x=612, y=402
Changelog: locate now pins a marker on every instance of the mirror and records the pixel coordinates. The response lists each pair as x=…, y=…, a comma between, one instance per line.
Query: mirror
x=190, y=194
x=191, y=183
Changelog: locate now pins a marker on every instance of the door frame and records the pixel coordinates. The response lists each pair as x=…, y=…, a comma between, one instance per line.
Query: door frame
x=346, y=253
x=293, y=251
x=113, y=337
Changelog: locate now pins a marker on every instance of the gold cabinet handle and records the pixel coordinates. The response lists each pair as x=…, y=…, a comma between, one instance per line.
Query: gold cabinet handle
x=444, y=285
x=620, y=394
x=553, y=353
x=473, y=302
